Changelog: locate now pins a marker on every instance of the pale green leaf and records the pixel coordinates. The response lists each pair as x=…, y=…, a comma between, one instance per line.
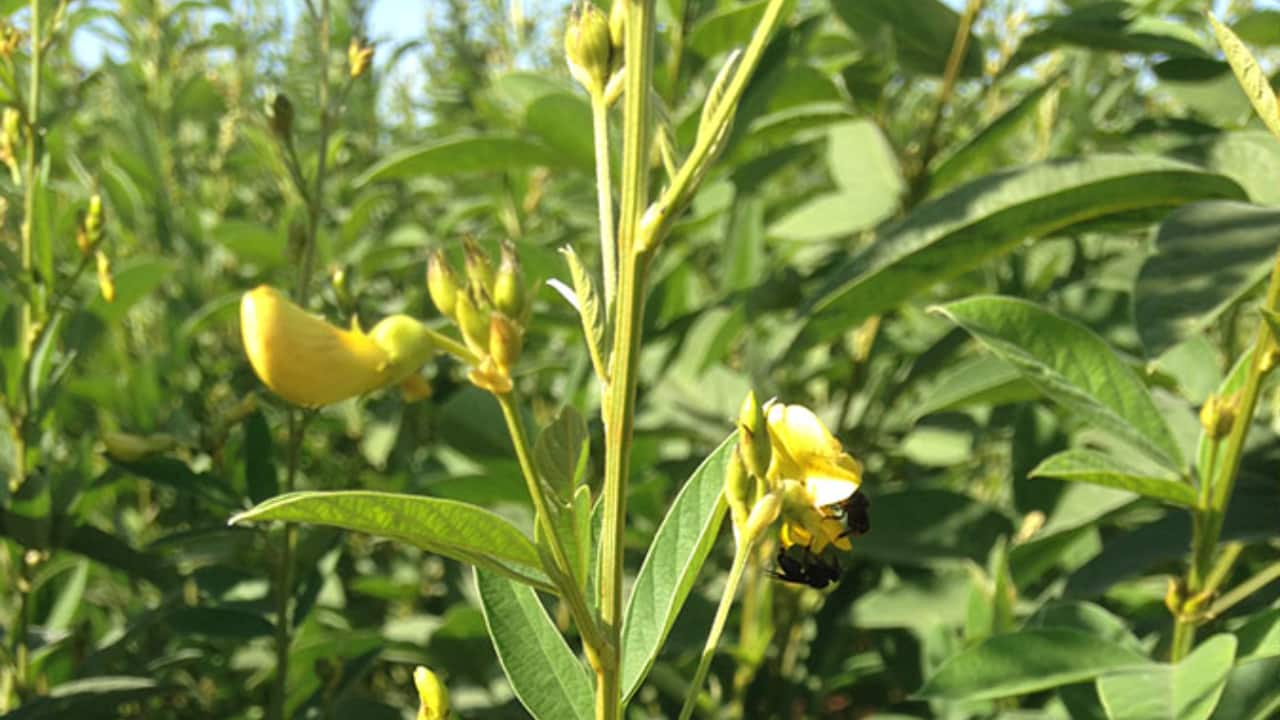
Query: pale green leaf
x=1078, y=465
x=1188, y=690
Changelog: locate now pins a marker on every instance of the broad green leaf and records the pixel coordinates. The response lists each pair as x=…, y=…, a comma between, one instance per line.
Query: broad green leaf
x=677, y=553
x=728, y=28
x=983, y=147
x=1260, y=637
x=1207, y=257
x=1258, y=27
x=560, y=453
x=446, y=527
x=1188, y=690
x=921, y=32
x=1252, y=692
x=251, y=242
x=1025, y=662
x=563, y=121
x=487, y=153
x=954, y=233
x=976, y=381
x=1086, y=617
x=1253, y=81
x=1072, y=366
x=94, y=697
x=544, y=673
x=1079, y=465
x=1113, y=26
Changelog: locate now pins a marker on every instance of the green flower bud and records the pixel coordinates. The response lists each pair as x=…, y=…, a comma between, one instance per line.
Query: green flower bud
x=479, y=270
x=407, y=343
x=753, y=436
x=588, y=47
x=763, y=514
x=442, y=284
x=509, y=294
x=739, y=490
x=472, y=321
x=280, y=116
x=506, y=340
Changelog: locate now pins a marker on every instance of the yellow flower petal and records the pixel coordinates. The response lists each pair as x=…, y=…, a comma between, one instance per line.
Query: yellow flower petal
x=303, y=358
x=432, y=693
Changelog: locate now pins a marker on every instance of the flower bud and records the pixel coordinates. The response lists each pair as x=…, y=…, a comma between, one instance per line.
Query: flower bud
x=90, y=233
x=432, y=694
x=479, y=269
x=127, y=447
x=473, y=322
x=506, y=340
x=739, y=490
x=442, y=284
x=106, y=283
x=488, y=376
x=617, y=33
x=753, y=436
x=588, y=47
x=1218, y=415
x=359, y=56
x=763, y=514
x=508, y=285
x=341, y=289
x=280, y=116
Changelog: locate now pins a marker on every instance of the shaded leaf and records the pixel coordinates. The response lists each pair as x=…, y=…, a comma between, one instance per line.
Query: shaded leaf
x=1188, y=690
x=1078, y=465
x=1252, y=692
x=544, y=673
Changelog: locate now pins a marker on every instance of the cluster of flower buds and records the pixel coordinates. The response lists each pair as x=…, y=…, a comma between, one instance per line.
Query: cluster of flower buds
x=745, y=480
x=593, y=48
x=359, y=57
x=490, y=310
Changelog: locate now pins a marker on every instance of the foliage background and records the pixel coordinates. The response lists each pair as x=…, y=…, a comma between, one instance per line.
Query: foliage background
x=143, y=603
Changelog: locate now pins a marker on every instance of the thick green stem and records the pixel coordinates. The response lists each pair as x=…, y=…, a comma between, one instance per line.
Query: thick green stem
x=604, y=197
x=562, y=574
x=717, y=628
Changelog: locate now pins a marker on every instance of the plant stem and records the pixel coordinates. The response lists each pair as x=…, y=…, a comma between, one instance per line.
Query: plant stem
x=604, y=197
x=1244, y=590
x=316, y=198
x=563, y=575
x=717, y=628
x=284, y=573
x=959, y=45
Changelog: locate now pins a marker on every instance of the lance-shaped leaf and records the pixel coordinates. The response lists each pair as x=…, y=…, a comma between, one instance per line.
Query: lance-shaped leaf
x=446, y=527
x=1072, y=366
x=1188, y=690
x=959, y=231
x=484, y=153
x=679, y=548
x=1079, y=465
x=1025, y=662
x=544, y=673
x=1253, y=81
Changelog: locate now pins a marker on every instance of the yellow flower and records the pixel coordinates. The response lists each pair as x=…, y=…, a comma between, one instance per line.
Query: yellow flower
x=310, y=362
x=814, y=476
x=433, y=695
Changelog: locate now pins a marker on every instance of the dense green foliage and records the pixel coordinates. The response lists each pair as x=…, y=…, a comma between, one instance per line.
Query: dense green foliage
x=1007, y=261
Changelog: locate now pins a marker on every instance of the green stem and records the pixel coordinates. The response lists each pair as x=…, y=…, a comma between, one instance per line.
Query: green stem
x=1244, y=590
x=959, y=45
x=562, y=574
x=316, y=198
x=717, y=628
x=604, y=197
x=1184, y=636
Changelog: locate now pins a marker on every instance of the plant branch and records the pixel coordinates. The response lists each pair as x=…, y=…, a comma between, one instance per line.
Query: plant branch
x=1268, y=575
x=717, y=627
x=604, y=197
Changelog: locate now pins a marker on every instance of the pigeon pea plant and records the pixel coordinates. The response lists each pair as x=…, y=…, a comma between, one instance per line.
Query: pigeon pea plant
x=791, y=466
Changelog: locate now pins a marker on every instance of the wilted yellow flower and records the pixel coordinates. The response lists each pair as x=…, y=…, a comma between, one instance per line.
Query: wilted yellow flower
x=311, y=362
x=814, y=475
x=433, y=695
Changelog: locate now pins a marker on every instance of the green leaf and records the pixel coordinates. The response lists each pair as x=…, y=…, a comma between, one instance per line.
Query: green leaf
x=259, y=467
x=1072, y=366
x=446, y=527
x=922, y=32
x=679, y=549
x=728, y=28
x=91, y=698
x=1113, y=26
x=1188, y=690
x=1252, y=80
x=1207, y=257
x=1260, y=637
x=544, y=673
x=954, y=233
x=560, y=453
x=563, y=121
x=1078, y=465
x=1272, y=318
x=981, y=380
x=1024, y=662
x=251, y=242
x=1252, y=692
x=486, y=153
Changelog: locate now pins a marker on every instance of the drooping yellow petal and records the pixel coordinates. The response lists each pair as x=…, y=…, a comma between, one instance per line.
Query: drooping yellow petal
x=432, y=694
x=303, y=358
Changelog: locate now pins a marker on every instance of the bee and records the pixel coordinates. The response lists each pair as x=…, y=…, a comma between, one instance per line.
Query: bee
x=801, y=565
x=853, y=510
